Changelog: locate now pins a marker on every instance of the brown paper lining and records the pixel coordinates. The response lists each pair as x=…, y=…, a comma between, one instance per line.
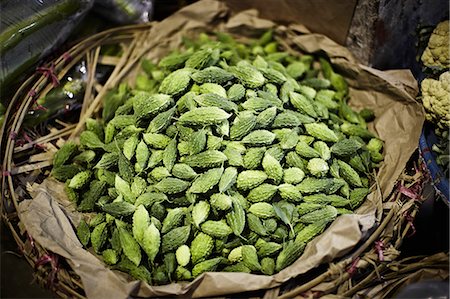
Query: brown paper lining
x=331, y=18
x=399, y=121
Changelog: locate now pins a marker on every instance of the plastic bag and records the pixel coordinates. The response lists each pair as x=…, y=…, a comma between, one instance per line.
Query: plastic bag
x=30, y=30
x=125, y=11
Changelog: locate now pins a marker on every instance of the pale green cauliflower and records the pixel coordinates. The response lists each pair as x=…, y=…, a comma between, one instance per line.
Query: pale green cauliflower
x=437, y=52
x=436, y=100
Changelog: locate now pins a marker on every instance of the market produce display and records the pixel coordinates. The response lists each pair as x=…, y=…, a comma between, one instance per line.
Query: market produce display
x=436, y=100
x=436, y=54
x=223, y=157
x=436, y=91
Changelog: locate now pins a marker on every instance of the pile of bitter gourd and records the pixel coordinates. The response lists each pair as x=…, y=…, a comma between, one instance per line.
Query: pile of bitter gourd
x=224, y=157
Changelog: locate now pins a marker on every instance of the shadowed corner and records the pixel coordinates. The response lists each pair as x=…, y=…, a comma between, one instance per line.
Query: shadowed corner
x=17, y=279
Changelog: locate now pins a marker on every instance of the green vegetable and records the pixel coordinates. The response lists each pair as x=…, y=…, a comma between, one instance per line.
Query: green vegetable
x=223, y=158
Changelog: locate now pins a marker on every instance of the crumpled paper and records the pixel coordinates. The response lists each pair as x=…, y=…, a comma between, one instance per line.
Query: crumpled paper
x=399, y=119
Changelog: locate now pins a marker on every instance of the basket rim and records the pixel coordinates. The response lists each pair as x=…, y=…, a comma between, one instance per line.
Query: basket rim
x=20, y=103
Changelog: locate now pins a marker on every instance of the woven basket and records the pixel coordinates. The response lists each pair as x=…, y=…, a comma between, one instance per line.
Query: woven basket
x=346, y=276
x=48, y=268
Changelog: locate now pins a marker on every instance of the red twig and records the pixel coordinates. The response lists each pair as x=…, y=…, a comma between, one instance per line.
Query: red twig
x=408, y=192
x=379, y=247
x=352, y=269
x=53, y=259
x=29, y=140
x=13, y=135
x=40, y=107
x=20, y=142
x=410, y=220
x=49, y=73
x=42, y=261
x=67, y=57
x=32, y=93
